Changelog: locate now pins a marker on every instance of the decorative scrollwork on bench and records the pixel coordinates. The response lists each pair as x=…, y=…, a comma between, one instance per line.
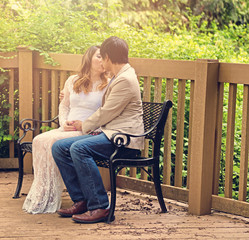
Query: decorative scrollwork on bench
x=26, y=147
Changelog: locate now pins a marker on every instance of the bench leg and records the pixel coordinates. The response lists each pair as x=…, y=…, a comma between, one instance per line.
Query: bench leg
x=20, y=177
x=113, y=195
x=156, y=177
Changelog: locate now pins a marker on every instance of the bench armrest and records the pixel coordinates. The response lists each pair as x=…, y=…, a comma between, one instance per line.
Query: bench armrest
x=25, y=125
x=123, y=139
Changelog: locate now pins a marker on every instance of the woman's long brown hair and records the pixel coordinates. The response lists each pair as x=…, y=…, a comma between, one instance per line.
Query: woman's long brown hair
x=83, y=83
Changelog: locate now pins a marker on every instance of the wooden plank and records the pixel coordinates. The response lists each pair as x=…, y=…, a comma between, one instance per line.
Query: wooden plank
x=147, y=89
x=11, y=112
x=168, y=134
x=234, y=73
x=72, y=73
x=36, y=104
x=244, y=146
x=230, y=206
x=230, y=140
x=157, y=99
x=158, y=90
x=67, y=62
x=63, y=78
x=45, y=89
x=164, y=68
x=180, y=132
x=202, y=154
x=9, y=163
x=138, y=185
x=9, y=60
x=25, y=95
x=137, y=217
x=105, y=175
x=146, y=98
x=133, y=172
x=218, y=138
x=145, y=153
x=192, y=91
x=54, y=95
x=144, y=67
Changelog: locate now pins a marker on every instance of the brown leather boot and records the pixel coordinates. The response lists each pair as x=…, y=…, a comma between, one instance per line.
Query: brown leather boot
x=77, y=208
x=94, y=216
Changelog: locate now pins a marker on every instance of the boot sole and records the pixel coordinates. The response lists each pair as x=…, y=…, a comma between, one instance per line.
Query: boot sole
x=70, y=215
x=104, y=219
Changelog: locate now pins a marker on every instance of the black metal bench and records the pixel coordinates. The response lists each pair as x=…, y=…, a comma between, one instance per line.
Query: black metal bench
x=154, y=117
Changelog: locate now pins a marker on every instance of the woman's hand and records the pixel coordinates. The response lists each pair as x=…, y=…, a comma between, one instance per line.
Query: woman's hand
x=69, y=126
x=78, y=125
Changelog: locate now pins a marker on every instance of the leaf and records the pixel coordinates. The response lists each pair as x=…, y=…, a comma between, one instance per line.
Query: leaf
x=7, y=137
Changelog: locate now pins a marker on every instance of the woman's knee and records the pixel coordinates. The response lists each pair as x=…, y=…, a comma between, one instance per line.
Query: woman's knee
x=55, y=150
x=37, y=140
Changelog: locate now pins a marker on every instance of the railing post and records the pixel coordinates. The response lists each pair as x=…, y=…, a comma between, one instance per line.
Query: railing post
x=25, y=62
x=203, y=136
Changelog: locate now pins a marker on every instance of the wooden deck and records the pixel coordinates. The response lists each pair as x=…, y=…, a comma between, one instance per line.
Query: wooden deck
x=137, y=217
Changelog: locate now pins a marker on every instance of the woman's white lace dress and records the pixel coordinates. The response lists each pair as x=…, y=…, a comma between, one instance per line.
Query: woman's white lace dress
x=45, y=193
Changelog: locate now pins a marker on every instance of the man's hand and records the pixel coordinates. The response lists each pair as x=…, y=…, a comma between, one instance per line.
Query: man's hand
x=61, y=96
x=78, y=125
x=68, y=126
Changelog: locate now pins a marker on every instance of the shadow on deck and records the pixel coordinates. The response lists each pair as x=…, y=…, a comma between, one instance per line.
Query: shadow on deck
x=137, y=217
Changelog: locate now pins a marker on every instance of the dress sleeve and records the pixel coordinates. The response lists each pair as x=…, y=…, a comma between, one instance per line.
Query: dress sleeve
x=64, y=107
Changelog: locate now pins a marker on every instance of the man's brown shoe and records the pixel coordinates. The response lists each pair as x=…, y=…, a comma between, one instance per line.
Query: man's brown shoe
x=97, y=215
x=77, y=208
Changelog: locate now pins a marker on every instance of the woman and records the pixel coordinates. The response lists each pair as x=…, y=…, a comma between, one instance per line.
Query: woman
x=82, y=97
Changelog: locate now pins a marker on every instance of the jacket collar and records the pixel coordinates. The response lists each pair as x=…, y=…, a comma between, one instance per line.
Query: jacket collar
x=123, y=69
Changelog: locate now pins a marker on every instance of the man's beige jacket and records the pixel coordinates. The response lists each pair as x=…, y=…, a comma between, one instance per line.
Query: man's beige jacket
x=121, y=109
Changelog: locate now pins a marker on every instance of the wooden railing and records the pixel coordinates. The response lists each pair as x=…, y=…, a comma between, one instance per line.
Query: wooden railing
x=195, y=122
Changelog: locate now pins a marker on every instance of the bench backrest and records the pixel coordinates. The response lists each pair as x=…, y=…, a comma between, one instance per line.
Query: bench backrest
x=155, y=116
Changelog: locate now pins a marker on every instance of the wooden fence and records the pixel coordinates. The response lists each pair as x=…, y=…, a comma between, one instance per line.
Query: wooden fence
x=196, y=118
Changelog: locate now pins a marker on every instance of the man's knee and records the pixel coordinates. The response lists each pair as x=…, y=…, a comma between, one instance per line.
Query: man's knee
x=78, y=148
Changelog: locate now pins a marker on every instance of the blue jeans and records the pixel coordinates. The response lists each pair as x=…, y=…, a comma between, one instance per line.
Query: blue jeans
x=75, y=160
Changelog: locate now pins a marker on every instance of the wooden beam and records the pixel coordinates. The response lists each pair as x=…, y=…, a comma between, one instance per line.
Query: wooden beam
x=144, y=67
x=164, y=68
x=230, y=140
x=11, y=112
x=180, y=132
x=202, y=154
x=191, y=128
x=9, y=60
x=143, y=186
x=8, y=163
x=168, y=134
x=218, y=138
x=230, y=206
x=244, y=146
x=25, y=94
x=237, y=73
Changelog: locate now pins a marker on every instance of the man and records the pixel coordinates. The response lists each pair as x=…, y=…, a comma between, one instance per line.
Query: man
x=121, y=111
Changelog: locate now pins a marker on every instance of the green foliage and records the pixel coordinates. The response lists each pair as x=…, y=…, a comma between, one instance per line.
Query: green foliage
x=46, y=128
x=72, y=26
x=5, y=137
x=223, y=12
